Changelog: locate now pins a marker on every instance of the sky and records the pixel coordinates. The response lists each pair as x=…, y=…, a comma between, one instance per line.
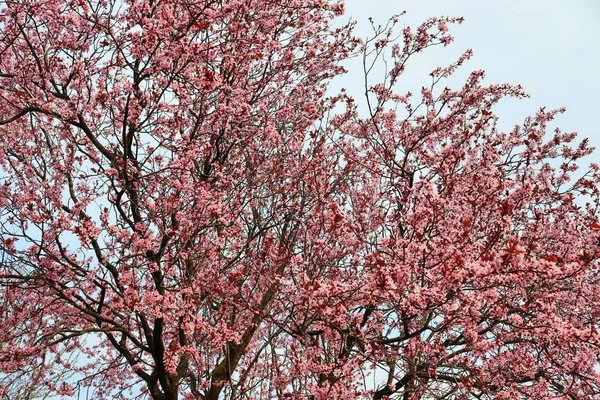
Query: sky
x=550, y=47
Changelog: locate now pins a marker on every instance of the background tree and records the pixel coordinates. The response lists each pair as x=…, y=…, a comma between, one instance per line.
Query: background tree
x=186, y=211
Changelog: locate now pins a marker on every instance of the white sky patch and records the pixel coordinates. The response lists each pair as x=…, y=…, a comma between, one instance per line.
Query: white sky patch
x=550, y=47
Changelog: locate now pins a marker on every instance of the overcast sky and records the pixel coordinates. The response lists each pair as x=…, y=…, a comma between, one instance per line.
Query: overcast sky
x=550, y=47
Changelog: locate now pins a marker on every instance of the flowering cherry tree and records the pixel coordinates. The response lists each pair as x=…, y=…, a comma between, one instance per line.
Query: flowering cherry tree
x=185, y=213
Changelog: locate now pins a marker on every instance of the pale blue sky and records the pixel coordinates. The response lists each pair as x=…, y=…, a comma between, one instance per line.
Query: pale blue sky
x=551, y=48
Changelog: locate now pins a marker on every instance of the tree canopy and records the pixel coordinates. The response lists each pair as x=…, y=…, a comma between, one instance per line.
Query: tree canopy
x=187, y=212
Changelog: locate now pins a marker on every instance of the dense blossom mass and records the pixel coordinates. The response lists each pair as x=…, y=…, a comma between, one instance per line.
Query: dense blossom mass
x=186, y=213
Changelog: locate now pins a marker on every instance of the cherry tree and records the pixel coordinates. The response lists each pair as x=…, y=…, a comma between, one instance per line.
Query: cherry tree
x=185, y=212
